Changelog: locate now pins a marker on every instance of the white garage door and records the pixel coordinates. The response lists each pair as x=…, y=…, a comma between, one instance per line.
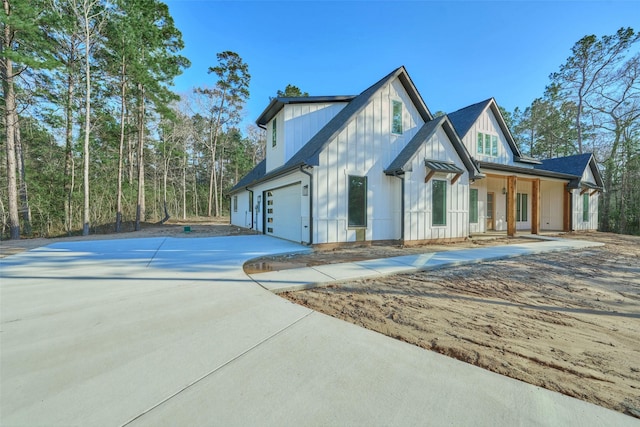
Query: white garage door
x=283, y=217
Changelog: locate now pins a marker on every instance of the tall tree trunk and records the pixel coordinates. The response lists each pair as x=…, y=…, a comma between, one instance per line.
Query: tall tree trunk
x=87, y=121
x=184, y=181
x=22, y=181
x=140, y=207
x=68, y=153
x=219, y=199
x=123, y=104
x=10, y=121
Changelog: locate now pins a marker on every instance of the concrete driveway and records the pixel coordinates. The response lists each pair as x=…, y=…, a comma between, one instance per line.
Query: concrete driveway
x=170, y=331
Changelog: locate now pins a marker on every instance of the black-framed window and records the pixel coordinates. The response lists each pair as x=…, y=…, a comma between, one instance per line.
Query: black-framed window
x=439, y=202
x=235, y=203
x=522, y=207
x=585, y=207
x=396, y=117
x=274, y=133
x=473, y=205
x=357, y=201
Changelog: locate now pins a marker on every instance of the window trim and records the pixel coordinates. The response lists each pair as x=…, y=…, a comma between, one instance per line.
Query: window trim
x=444, y=203
x=396, y=117
x=363, y=223
x=487, y=144
x=235, y=203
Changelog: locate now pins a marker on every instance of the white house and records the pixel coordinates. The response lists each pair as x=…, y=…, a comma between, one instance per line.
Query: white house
x=521, y=192
x=379, y=167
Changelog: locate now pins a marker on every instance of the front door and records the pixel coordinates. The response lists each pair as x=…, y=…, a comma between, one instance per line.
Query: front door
x=490, y=211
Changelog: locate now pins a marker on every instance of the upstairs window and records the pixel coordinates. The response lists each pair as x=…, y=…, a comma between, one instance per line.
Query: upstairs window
x=487, y=144
x=274, y=133
x=396, y=119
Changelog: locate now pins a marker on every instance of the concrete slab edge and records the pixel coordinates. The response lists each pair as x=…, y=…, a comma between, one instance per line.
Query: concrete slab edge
x=530, y=251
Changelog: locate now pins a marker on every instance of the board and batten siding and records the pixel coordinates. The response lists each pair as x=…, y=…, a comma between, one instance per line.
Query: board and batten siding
x=296, y=124
x=487, y=124
x=365, y=147
x=242, y=216
x=418, y=194
x=303, y=121
x=578, y=204
x=551, y=204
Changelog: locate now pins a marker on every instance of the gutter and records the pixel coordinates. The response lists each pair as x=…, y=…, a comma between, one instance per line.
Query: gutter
x=310, y=175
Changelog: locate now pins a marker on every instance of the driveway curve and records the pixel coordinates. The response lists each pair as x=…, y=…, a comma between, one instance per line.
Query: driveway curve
x=170, y=331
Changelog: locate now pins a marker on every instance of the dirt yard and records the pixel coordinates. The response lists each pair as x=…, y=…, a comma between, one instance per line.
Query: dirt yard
x=569, y=322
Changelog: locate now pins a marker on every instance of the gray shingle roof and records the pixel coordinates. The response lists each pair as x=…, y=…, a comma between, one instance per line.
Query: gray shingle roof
x=400, y=164
x=574, y=165
x=309, y=153
x=255, y=174
x=464, y=118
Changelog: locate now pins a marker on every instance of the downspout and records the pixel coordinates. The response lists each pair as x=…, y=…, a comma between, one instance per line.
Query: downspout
x=310, y=175
x=401, y=178
x=251, y=191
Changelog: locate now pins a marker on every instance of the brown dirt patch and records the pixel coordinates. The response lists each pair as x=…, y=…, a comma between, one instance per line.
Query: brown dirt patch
x=363, y=253
x=568, y=321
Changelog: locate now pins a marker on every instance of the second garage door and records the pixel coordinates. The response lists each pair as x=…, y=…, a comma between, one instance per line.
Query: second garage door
x=282, y=214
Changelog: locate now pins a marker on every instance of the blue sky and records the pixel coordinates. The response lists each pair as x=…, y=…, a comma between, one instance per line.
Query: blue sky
x=456, y=52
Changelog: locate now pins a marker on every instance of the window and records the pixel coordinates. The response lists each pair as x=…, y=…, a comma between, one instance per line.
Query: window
x=439, y=202
x=274, y=132
x=396, y=119
x=585, y=207
x=357, y=201
x=473, y=206
x=522, y=207
x=235, y=203
x=487, y=144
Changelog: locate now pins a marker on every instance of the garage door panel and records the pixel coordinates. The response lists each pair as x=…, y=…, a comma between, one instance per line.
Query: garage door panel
x=283, y=214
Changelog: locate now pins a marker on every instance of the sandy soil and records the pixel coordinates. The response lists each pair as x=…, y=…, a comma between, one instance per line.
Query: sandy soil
x=362, y=253
x=569, y=322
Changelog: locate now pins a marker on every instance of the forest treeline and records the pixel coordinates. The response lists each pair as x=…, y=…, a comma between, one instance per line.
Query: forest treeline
x=94, y=139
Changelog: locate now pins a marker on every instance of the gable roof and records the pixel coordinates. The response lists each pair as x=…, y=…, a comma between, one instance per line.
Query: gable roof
x=464, y=118
x=309, y=153
x=278, y=103
x=400, y=164
x=574, y=165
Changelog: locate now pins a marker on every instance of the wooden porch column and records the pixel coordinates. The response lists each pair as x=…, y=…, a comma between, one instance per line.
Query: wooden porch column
x=535, y=206
x=566, y=209
x=511, y=206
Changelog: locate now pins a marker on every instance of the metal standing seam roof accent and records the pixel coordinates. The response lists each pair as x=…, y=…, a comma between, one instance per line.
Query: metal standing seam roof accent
x=444, y=167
